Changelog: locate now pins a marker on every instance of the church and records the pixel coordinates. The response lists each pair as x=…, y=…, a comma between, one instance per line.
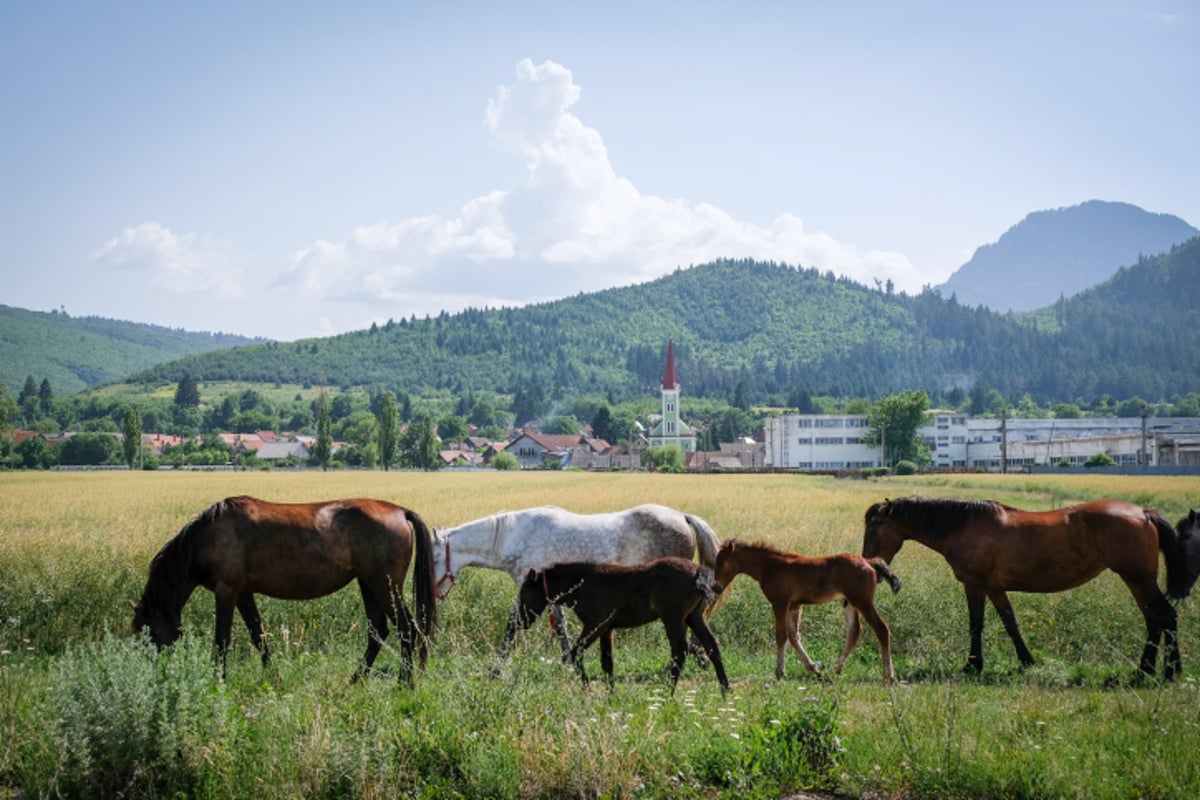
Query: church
x=671, y=429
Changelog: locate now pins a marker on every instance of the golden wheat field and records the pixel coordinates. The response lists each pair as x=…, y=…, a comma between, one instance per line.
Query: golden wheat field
x=55, y=523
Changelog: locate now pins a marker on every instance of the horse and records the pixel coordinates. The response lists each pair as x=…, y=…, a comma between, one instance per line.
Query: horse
x=242, y=546
x=518, y=541
x=610, y=596
x=994, y=549
x=791, y=581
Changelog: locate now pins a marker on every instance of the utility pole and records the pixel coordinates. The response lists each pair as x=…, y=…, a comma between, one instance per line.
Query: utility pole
x=1003, y=441
x=1143, y=457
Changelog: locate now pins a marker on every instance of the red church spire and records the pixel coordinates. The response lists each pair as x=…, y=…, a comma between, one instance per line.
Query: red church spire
x=670, y=379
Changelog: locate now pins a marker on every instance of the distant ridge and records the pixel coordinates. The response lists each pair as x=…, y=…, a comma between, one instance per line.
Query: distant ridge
x=77, y=353
x=1061, y=252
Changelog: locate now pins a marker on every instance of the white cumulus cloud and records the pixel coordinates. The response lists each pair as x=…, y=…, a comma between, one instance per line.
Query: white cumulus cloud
x=572, y=224
x=188, y=263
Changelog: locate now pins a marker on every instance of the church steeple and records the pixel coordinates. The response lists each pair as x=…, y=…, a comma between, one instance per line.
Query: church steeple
x=670, y=379
x=671, y=429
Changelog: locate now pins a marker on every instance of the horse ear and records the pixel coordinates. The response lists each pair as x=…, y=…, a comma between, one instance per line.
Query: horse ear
x=531, y=575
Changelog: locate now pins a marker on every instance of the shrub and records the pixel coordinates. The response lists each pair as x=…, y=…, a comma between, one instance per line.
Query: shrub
x=505, y=461
x=906, y=468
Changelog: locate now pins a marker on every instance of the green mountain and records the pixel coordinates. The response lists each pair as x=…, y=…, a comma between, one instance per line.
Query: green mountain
x=774, y=330
x=77, y=353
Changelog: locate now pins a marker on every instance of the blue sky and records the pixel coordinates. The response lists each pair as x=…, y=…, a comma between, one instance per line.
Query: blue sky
x=305, y=169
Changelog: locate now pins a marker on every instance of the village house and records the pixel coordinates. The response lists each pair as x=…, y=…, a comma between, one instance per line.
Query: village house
x=533, y=450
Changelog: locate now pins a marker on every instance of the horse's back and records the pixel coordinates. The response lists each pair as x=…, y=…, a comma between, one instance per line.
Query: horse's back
x=548, y=534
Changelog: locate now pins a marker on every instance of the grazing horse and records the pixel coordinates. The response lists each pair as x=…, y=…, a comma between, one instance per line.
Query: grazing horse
x=791, y=581
x=994, y=549
x=610, y=596
x=518, y=541
x=242, y=546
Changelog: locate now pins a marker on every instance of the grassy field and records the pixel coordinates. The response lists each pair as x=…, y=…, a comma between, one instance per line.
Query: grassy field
x=87, y=710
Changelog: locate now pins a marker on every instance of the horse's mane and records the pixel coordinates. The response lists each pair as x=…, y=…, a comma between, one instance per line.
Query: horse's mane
x=758, y=545
x=936, y=515
x=170, y=579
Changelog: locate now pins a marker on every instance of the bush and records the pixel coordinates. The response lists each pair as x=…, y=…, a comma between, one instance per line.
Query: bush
x=906, y=468
x=1100, y=460
x=505, y=461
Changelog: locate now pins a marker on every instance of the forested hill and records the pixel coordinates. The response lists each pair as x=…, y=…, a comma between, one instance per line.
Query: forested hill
x=776, y=329
x=76, y=353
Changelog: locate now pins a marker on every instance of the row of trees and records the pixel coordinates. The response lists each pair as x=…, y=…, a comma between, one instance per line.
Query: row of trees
x=385, y=430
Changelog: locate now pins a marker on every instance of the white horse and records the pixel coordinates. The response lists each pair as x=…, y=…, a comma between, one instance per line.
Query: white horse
x=518, y=541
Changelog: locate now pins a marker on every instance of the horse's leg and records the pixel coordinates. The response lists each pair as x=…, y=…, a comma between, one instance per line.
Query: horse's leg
x=589, y=635
x=781, y=639
x=249, y=611
x=853, y=629
x=1000, y=600
x=704, y=635
x=606, y=656
x=677, y=637
x=884, y=634
x=409, y=636
x=793, y=634
x=226, y=599
x=558, y=620
x=1161, y=624
x=976, y=596
x=377, y=630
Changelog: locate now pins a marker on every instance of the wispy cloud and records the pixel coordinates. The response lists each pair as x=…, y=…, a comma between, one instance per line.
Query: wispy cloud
x=189, y=263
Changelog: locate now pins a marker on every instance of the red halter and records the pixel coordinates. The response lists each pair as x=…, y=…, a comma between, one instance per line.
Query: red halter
x=449, y=576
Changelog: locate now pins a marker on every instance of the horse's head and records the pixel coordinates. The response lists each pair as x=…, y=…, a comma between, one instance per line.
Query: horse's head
x=725, y=568
x=164, y=628
x=881, y=536
x=533, y=597
x=443, y=573
x=1189, y=536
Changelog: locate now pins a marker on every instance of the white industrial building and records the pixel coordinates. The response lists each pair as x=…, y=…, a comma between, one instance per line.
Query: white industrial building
x=834, y=441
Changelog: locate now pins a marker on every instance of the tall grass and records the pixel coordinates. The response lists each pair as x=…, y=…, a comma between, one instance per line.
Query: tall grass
x=88, y=710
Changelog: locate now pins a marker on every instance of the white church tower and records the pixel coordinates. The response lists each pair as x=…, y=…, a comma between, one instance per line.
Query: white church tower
x=672, y=430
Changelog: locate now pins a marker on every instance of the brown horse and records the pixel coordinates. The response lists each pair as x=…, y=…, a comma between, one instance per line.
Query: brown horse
x=610, y=596
x=994, y=549
x=791, y=581
x=242, y=546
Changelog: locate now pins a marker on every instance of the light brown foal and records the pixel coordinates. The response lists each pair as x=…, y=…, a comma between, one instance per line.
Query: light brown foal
x=791, y=581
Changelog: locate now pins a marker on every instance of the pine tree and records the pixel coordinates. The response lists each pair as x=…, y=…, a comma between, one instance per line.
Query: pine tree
x=323, y=448
x=389, y=429
x=131, y=429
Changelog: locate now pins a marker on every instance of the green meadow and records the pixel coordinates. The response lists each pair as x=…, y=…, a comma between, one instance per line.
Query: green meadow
x=89, y=710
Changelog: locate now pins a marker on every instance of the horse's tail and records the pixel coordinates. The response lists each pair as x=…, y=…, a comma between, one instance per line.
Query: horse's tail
x=885, y=573
x=1178, y=586
x=706, y=583
x=423, y=594
x=707, y=541
x=707, y=546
